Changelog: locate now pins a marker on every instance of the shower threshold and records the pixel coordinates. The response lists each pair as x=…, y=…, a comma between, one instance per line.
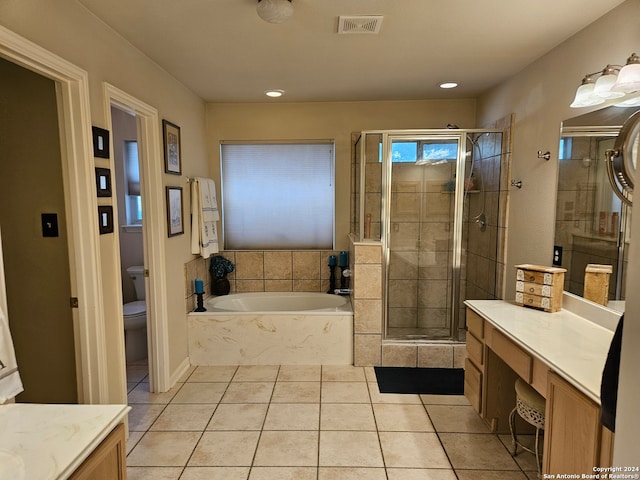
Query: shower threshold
x=422, y=339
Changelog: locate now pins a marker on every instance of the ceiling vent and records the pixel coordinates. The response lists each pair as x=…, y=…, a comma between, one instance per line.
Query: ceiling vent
x=359, y=23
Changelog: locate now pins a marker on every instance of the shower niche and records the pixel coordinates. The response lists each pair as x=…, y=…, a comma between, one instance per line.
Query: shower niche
x=436, y=201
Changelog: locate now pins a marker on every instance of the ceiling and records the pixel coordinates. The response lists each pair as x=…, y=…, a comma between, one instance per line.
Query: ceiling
x=224, y=52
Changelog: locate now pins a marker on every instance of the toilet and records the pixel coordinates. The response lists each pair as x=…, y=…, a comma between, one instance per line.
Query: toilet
x=135, y=319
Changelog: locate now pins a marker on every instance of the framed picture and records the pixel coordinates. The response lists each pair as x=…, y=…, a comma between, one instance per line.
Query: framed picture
x=103, y=182
x=105, y=219
x=172, y=153
x=100, y=142
x=175, y=224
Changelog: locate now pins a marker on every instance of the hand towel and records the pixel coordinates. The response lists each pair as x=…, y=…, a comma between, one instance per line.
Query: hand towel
x=10, y=382
x=204, y=215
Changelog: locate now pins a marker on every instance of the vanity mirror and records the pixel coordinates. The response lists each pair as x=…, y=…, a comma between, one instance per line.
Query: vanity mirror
x=592, y=221
x=622, y=159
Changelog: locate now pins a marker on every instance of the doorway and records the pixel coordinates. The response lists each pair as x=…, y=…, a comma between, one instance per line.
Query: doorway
x=151, y=204
x=34, y=222
x=126, y=162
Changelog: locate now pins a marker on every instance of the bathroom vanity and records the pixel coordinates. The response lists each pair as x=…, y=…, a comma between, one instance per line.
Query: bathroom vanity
x=77, y=442
x=561, y=355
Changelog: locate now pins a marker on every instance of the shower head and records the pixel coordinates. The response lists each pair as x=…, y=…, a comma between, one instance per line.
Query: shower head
x=452, y=126
x=474, y=141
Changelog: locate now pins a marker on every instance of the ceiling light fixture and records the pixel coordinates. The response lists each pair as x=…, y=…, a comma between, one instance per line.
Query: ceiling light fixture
x=274, y=11
x=614, y=81
x=274, y=93
x=448, y=85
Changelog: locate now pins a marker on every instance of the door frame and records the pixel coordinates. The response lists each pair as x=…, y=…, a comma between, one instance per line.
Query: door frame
x=74, y=117
x=153, y=234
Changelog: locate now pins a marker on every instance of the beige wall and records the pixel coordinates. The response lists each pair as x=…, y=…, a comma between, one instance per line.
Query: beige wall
x=67, y=29
x=336, y=121
x=539, y=96
x=37, y=268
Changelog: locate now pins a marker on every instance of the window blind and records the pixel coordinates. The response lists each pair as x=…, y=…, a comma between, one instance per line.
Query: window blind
x=278, y=196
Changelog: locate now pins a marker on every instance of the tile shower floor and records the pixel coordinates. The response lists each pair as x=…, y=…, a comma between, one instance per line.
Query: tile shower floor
x=307, y=422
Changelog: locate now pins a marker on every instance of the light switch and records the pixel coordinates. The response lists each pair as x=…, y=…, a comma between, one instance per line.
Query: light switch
x=50, y=225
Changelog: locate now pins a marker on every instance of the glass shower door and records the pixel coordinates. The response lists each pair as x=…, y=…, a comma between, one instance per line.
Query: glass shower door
x=422, y=245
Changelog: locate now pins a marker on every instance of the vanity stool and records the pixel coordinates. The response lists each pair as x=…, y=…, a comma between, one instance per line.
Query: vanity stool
x=530, y=406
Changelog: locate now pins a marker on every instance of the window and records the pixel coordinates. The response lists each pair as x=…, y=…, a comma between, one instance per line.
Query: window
x=132, y=189
x=566, y=144
x=278, y=195
x=414, y=151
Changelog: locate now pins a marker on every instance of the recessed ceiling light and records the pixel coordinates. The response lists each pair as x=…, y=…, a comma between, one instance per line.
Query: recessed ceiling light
x=448, y=85
x=274, y=93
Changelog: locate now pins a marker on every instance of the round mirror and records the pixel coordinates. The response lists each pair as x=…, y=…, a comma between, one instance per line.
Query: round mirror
x=624, y=158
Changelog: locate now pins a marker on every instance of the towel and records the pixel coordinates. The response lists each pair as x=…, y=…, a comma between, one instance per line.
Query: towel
x=204, y=215
x=10, y=383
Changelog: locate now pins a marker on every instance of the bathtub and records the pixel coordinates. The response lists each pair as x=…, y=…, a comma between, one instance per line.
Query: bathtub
x=272, y=328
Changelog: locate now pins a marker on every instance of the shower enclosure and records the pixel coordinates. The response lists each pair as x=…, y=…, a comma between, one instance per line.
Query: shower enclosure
x=433, y=199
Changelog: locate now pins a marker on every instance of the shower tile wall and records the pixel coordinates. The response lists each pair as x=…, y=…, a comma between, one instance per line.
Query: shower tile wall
x=369, y=348
x=485, y=249
x=483, y=274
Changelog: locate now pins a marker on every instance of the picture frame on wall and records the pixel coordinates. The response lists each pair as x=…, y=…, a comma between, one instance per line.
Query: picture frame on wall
x=103, y=182
x=100, y=142
x=172, y=151
x=175, y=223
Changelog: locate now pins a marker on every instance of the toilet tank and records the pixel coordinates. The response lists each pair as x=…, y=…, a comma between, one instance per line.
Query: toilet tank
x=136, y=273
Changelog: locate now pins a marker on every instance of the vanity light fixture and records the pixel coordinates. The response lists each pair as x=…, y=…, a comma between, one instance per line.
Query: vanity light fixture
x=274, y=93
x=629, y=77
x=274, y=11
x=614, y=81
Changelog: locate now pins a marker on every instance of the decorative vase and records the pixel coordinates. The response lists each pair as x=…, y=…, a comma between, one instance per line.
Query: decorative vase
x=220, y=286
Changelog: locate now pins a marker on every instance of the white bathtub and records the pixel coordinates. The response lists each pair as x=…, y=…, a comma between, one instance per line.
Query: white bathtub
x=279, y=302
x=272, y=328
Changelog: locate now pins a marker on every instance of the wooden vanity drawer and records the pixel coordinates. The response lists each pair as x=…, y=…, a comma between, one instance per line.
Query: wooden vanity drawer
x=539, y=375
x=475, y=324
x=475, y=350
x=519, y=360
x=473, y=385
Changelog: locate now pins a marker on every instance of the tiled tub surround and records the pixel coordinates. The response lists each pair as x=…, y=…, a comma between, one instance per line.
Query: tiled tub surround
x=265, y=271
x=271, y=338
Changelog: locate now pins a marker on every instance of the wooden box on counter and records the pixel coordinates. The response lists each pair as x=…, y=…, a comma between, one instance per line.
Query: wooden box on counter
x=539, y=287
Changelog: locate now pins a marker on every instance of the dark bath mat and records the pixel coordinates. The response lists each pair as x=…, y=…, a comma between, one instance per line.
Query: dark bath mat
x=436, y=381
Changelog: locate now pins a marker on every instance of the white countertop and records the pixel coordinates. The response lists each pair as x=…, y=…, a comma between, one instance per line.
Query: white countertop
x=573, y=346
x=51, y=441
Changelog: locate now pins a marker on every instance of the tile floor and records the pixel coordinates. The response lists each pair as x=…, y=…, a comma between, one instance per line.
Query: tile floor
x=307, y=422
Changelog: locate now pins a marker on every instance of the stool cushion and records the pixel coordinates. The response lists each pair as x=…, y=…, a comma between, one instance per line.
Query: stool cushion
x=529, y=396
